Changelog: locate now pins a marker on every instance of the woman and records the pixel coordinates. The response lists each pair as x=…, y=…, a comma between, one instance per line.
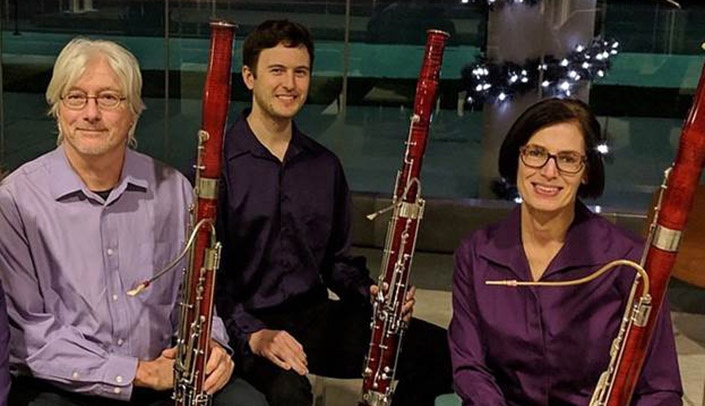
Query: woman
x=545, y=345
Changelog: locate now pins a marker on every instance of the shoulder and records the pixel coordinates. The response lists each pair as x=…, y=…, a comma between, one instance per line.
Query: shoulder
x=29, y=176
x=154, y=170
x=594, y=231
x=488, y=241
x=496, y=237
x=320, y=153
x=167, y=185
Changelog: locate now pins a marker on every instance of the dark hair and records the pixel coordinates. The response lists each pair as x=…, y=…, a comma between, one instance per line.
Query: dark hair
x=271, y=33
x=547, y=113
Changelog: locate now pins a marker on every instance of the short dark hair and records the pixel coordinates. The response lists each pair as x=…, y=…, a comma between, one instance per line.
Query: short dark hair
x=271, y=33
x=547, y=113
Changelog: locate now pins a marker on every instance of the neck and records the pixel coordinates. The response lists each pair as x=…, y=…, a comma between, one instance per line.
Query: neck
x=541, y=228
x=273, y=133
x=98, y=173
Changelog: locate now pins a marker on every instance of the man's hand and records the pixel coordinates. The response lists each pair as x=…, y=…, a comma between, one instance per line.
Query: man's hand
x=281, y=348
x=407, y=309
x=157, y=374
x=219, y=368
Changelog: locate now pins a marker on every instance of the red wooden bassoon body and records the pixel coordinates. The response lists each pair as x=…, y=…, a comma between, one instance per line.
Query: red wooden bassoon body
x=387, y=320
x=193, y=341
x=670, y=221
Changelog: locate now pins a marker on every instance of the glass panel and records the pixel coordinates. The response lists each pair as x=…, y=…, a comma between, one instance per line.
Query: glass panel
x=363, y=90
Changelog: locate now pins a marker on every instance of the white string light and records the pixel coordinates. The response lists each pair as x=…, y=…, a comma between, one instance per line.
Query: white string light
x=488, y=82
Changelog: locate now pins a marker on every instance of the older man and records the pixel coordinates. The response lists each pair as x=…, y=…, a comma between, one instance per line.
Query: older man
x=82, y=224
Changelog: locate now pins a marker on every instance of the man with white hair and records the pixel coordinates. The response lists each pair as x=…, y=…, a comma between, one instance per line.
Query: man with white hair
x=81, y=225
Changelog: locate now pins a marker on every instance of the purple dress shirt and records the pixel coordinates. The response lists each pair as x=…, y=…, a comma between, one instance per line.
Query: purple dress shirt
x=4, y=351
x=285, y=229
x=67, y=259
x=527, y=346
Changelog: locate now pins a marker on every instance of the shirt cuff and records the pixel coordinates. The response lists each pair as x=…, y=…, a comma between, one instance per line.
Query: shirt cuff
x=118, y=377
x=219, y=334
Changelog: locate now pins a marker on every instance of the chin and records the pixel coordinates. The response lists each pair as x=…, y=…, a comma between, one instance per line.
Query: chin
x=546, y=205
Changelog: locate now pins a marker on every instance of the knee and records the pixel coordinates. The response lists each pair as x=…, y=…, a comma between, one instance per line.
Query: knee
x=239, y=393
x=290, y=389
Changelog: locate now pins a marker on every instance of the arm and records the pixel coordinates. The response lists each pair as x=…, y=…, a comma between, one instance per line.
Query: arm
x=472, y=379
x=4, y=350
x=660, y=383
x=348, y=275
x=51, y=349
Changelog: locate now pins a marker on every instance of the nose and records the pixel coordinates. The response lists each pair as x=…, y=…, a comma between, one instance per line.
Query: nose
x=550, y=168
x=290, y=80
x=91, y=111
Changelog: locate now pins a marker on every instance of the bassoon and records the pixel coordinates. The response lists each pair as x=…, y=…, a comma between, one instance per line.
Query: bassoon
x=197, y=289
x=387, y=320
x=616, y=386
x=193, y=342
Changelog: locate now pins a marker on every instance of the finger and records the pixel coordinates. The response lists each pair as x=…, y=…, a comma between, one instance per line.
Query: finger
x=411, y=293
x=219, y=377
x=276, y=360
x=296, y=348
x=291, y=352
x=169, y=353
x=408, y=305
x=217, y=356
x=374, y=290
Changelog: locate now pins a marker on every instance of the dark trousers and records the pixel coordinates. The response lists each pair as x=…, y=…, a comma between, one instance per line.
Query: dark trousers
x=336, y=338
x=28, y=391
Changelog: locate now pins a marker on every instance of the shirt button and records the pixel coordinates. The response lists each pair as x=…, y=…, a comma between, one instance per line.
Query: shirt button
x=118, y=379
x=115, y=298
x=120, y=341
x=117, y=391
x=110, y=251
x=74, y=375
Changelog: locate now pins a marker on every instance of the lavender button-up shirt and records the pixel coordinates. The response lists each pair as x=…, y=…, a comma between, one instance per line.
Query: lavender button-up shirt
x=531, y=346
x=68, y=257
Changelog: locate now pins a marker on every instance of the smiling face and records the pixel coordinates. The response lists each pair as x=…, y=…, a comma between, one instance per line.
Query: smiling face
x=281, y=81
x=546, y=189
x=92, y=131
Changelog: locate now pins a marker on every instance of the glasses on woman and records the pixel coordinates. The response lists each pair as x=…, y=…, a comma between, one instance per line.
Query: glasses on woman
x=537, y=157
x=76, y=100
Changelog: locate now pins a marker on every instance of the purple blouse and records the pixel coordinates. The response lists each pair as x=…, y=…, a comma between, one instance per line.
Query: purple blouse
x=529, y=346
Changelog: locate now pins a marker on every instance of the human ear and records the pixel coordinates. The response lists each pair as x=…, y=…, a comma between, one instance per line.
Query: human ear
x=248, y=77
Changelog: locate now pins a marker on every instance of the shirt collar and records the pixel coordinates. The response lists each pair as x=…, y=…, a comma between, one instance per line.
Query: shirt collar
x=65, y=181
x=590, y=242
x=244, y=141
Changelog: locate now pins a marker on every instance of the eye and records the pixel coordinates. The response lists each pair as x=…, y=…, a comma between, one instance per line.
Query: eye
x=302, y=73
x=535, y=152
x=75, y=97
x=109, y=98
x=276, y=71
x=569, y=157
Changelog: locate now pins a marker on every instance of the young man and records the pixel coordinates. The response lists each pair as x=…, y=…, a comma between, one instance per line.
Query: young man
x=81, y=225
x=285, y=225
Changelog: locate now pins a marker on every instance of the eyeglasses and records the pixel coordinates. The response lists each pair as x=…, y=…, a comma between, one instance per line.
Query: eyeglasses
x=106, y=100
x=537, y=157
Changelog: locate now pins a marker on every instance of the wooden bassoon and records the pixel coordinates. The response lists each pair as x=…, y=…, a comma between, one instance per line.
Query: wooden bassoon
x=617, y=384
x=197, y=290
x=387, y=320
x=193, y=342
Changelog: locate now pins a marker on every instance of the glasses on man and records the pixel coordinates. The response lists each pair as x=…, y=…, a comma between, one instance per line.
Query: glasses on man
x=537, y=157
x=106, y=100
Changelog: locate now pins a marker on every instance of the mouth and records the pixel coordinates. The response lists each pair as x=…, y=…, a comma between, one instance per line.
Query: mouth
x=546, y=190
x=287, y=97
